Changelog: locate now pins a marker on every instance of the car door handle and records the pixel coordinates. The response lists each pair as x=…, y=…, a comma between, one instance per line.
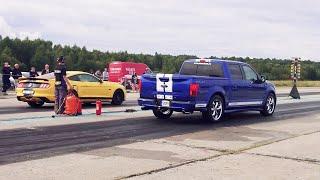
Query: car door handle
x=234, y=87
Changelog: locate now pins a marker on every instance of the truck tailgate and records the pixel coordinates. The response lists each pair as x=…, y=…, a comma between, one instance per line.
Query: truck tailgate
x=166, y=86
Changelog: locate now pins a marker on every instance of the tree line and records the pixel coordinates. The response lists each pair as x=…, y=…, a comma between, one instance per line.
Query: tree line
x=39, y=52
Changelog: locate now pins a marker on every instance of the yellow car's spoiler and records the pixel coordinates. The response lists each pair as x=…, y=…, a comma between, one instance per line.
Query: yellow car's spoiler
x=33, y=78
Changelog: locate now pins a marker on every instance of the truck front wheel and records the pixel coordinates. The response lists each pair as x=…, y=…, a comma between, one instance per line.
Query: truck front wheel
x=269, y=105
x=162, y=113
x=215, y=109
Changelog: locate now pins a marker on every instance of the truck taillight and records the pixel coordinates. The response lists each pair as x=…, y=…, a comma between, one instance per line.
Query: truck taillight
x=44, y=86
x=194, y=89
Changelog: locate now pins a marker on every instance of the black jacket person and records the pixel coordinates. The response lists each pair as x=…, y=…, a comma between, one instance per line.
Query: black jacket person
x=16, y=73
x=6, y=73
x=62, y=85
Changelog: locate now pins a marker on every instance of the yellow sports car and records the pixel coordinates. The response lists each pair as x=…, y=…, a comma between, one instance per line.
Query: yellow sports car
x=40, y=90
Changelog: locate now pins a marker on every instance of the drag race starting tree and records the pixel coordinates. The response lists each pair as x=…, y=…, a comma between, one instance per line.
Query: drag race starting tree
x=295, y=75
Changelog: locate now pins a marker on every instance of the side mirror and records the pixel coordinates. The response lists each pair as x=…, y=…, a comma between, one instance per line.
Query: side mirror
x=263, y=79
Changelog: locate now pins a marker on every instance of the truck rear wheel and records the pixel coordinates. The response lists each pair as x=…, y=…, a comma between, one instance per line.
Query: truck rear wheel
x=162, y=113
x=215, y=109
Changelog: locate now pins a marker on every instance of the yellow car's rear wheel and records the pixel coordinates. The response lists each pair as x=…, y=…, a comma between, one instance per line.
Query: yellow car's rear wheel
x=35, y=104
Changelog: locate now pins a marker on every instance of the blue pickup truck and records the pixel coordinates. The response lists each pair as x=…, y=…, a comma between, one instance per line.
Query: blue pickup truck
x=211, y=86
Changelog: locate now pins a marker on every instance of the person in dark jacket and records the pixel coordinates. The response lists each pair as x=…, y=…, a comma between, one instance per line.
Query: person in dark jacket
x=46, y=70
x=33, y=72
x=62, y=85
x=16, y=73
x=6, y=78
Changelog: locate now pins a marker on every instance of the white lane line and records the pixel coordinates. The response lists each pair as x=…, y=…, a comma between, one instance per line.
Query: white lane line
x=289, y=100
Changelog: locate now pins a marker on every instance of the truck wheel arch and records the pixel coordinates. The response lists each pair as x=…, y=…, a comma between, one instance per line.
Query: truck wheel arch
x=272, y=92
x=219, y=94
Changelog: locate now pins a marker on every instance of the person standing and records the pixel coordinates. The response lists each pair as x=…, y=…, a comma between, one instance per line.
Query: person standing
x=6, y=78
x=105, y=75
x=33, y=72
x=62, y=85
x=134, y=81
x=46, y=69
x=98, y=74
x=16, y=73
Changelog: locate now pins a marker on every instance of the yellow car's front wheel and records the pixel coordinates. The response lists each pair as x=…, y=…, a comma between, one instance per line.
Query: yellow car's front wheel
x=118, y=97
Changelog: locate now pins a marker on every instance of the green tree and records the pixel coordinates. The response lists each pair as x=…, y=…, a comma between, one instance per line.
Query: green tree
x=41, y=57
x=7, y=56
x=39, y=52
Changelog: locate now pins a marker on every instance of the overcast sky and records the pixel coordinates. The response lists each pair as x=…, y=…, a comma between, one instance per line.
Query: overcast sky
x=260, y=28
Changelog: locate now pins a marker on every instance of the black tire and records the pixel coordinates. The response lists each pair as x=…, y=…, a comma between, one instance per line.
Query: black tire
x=269, y=105
x=162, y=113
x=118, y=98
x=215, y=109
x=87, y=103
x=36, y=104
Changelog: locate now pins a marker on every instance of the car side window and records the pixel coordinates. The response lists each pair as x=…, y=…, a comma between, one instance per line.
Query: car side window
x=87, y=78
x=249, y=73
x=235, y=71
x=74, y=78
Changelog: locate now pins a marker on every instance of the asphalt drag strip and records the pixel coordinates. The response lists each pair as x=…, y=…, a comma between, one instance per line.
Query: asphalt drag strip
x=24, y=108
x=28, y=144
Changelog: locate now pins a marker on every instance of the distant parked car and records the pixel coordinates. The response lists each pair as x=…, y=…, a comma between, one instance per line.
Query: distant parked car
x=25, y=74
x=119, y=70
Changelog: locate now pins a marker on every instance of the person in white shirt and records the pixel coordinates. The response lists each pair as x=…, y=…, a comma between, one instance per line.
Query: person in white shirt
x=105, y=75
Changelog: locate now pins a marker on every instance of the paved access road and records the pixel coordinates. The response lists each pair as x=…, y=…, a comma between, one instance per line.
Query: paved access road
x=135, y=145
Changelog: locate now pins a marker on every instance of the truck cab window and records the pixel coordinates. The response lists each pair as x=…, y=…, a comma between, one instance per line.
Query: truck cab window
x=217, y=70
x=235, y=71
x=250, y=74
x=213, y=70
x=188, y=68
